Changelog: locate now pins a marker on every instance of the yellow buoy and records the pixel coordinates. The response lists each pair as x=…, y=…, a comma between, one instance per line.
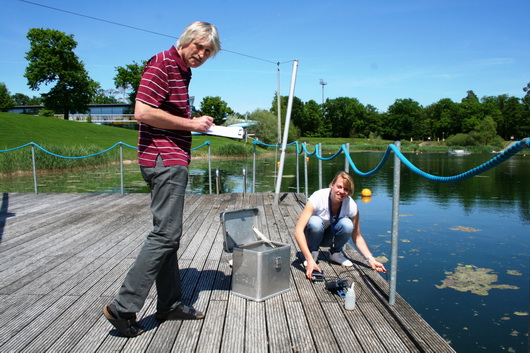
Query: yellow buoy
x=366, y=193
x=366, y=199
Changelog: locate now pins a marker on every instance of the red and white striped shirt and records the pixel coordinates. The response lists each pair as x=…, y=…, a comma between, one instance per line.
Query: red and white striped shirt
x=164, y=85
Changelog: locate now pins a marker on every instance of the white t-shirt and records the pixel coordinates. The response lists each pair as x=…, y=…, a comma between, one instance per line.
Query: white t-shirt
x=320, y=201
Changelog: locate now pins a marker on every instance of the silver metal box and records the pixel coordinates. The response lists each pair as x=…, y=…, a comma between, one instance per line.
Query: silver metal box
x=259, y=270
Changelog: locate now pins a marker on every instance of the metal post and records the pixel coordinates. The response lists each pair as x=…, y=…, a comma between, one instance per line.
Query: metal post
x=209, y=169
x=244, y=180
x=121, y=168
x=297, y=170
x=346, y=163
x=305, y=174
x=34, y=168
x=278, y=103
x=218, y=179
x=319, y=146
x=395, y=226
x=286, y=132
x=254, y=170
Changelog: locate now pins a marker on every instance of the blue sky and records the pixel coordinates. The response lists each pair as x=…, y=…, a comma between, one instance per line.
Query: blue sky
x=375, y=51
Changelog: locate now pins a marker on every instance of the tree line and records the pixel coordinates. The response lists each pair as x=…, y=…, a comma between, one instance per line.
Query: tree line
x=488, y=120
x=477, y=121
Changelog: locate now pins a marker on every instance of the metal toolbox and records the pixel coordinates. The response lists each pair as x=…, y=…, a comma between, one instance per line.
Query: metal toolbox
x=260, y=269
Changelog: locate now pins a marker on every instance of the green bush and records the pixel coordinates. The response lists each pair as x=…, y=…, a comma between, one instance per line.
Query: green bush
x=46, y=112
x=233, y=149
x=460, y=140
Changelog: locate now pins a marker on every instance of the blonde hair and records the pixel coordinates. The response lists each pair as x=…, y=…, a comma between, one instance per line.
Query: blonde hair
x=203, y=31
x=347, y=177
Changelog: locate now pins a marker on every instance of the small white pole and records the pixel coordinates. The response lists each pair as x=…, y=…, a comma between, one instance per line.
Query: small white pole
x=286, y=132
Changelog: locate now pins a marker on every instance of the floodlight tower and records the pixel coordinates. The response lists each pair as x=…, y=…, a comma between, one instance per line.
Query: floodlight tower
x=322, y=83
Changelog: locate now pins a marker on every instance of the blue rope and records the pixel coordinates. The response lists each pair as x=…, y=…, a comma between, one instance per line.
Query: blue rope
x=258, y=142
x=319, y=156
x=207, y=143
x=516, y=147
x=16, y=148
x=510, y=152
x=373, y=171
x=87, y=156
x=306, y=151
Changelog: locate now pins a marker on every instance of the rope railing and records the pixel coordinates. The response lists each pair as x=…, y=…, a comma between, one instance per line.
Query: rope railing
x=495, y=161
x=118, y=144
x=302, y=148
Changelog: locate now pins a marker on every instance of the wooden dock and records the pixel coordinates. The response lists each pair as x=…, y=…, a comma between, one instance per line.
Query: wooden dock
x=64, y=256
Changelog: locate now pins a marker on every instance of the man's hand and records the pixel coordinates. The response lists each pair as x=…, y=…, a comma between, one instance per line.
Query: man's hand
x=202, y=123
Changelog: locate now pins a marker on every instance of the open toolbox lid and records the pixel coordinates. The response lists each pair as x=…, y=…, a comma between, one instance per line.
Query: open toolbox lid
x=238, y=227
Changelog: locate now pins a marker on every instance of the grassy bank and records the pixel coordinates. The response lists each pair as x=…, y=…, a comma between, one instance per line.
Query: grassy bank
x=72, y=139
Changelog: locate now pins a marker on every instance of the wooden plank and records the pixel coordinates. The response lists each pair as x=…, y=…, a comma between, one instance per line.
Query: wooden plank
x=340, y=327
x=233, y=339
x=277, y=329
x=255, y=328
x=299, y=328
x=64, y=256
x=34, y=327
x=212, y=329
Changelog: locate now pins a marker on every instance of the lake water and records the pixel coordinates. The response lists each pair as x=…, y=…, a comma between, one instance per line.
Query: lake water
x=464, y=248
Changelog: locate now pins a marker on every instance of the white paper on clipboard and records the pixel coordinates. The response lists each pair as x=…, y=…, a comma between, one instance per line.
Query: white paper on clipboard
x=235, y=132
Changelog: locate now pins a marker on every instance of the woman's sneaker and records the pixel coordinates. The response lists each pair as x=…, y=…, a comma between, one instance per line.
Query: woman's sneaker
x=340, y=259
x=315, y=257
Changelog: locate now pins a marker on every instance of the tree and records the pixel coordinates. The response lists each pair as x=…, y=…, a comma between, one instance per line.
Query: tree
x=312, y=120
x=373, y=124
x=216, y=108
x=6, y=101
x=485, y=132
x=345, y=116
x=52, y=60
x=266, y=130
x=404, y=117
x=22, y=99
x=297, y=114
x=527, y=90
x=102, y=96
x=128, y=78
x=444, y=116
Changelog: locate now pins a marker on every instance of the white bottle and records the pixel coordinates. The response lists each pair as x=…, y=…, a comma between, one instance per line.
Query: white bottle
x=349, y=301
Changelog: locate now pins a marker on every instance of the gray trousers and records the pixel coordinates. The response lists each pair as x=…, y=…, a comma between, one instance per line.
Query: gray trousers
x=157, y=260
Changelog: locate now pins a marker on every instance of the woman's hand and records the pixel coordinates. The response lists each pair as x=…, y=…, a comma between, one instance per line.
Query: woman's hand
x=376, y=265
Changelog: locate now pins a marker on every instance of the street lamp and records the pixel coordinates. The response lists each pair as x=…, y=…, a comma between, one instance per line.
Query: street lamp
x=322, y=83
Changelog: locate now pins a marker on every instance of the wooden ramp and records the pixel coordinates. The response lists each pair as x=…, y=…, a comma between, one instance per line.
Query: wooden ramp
x=64, y=256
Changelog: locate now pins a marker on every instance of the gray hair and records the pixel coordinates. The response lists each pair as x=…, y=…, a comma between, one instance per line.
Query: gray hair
x=203, y=31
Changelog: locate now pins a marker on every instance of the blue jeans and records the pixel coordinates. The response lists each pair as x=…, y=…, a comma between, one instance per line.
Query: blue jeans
x=157, y=260
x=317, y=236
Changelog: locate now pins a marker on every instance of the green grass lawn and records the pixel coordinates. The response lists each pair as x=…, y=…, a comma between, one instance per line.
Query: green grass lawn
x=19, y=129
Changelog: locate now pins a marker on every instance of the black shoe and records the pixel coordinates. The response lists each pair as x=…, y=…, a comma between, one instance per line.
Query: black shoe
x=127, y=327
x=181, y=312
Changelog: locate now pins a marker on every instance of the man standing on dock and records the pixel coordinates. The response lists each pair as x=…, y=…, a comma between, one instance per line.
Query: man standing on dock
x=163, y=111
